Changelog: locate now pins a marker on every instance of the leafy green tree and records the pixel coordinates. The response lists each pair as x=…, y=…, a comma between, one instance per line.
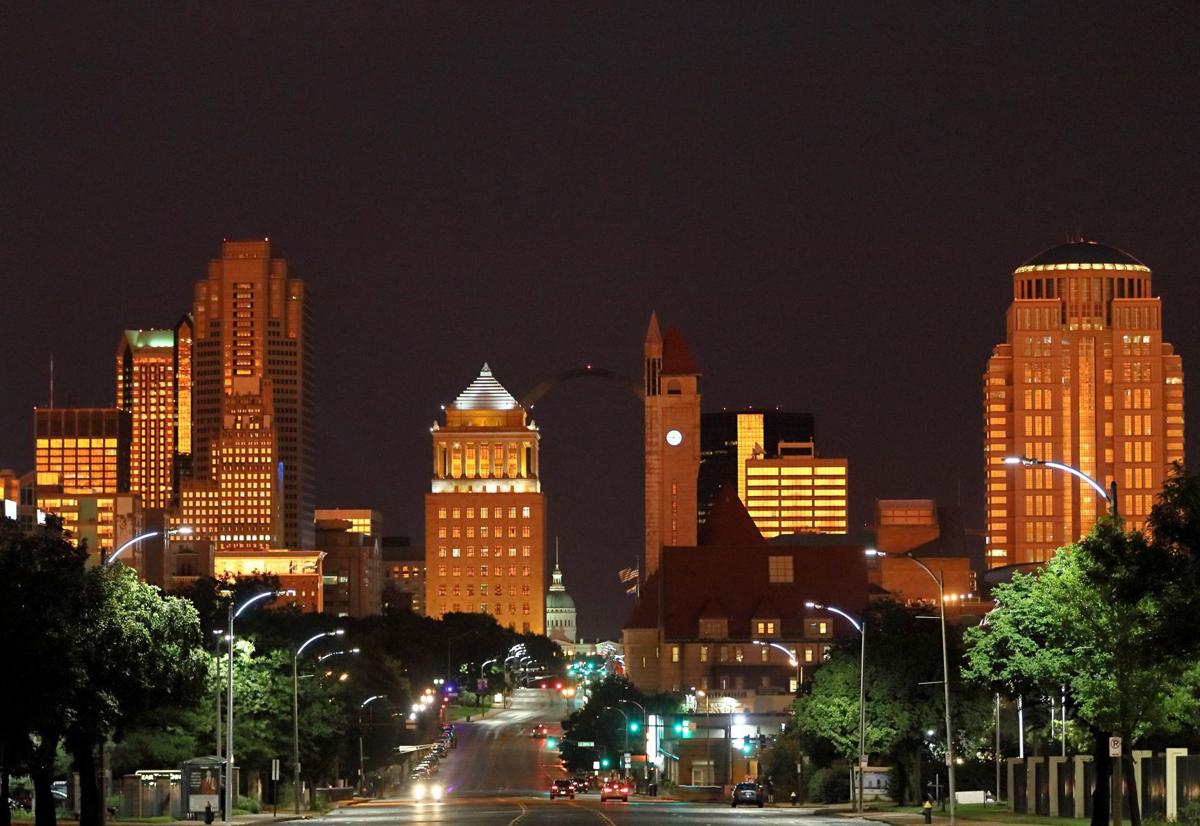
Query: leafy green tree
x=1104, y=618
x=903, y=652
x=606, y=728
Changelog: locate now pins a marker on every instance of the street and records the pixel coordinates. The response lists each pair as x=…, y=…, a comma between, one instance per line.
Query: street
x=500, y=774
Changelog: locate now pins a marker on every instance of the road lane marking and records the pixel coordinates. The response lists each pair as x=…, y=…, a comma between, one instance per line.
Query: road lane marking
x=513, y=822
x=596, y=812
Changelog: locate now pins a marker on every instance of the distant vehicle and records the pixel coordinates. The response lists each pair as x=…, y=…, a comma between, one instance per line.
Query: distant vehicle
x=747, y=793
x=429, y=791
x=562, y=788
x=614, y=790
x=580, y=784
x=539, y=730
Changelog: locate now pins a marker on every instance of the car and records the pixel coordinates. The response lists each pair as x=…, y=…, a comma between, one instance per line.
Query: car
x=540, y=730
x=614, y=790
x=747, y=793
x=562, y=788
x=424, y=790
x=580, y=784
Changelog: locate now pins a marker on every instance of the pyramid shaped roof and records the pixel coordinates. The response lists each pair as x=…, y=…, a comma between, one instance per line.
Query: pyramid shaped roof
x=485, y=393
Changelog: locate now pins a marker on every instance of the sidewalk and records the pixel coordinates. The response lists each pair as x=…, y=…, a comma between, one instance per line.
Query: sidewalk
x=240, y=820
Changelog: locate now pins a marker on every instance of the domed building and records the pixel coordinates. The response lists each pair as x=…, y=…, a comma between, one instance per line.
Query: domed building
x=560, y=609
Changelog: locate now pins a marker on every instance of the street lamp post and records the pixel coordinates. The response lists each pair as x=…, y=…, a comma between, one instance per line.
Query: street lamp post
x=1109, y=496
x=939, y=579
x=296, y=712
x=793, y=660
x=182, y=530
x=626, y=716
x=233, y=614
x=861, y=627
x=362, y=774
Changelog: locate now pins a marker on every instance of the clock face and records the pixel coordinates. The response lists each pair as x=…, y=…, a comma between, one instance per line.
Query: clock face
x=674, y=437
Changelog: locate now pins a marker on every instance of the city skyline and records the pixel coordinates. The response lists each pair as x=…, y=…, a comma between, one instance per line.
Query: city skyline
x=831, y=215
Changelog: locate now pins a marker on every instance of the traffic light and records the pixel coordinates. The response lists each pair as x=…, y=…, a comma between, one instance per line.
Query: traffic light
x=551, y=743
x=746, y=747
x=678, y=728
x=605, y=762
x=634, y=726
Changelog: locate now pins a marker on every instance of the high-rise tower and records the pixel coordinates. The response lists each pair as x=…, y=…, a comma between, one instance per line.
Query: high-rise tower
x=252, y=321
x=672, y=441
x=1085, y=379
x=146, y=389
x=485, y=514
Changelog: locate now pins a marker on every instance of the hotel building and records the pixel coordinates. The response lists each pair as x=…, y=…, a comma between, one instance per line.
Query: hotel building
x=252, y=322
x=485, y=512
x=1083, y=378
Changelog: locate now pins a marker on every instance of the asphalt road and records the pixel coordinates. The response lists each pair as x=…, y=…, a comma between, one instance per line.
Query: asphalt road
x=500, y=774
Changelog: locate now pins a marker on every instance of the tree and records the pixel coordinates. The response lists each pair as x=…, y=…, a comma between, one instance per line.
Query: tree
x=903, y=651
x=1103, y=618
x=606, y=728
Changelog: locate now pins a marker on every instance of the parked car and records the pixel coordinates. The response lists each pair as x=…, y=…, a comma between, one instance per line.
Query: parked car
x=748, y=793
x=614, y=790
x=562, y=788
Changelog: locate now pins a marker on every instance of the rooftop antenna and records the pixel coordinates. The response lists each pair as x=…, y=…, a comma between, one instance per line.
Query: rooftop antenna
x=556, y=552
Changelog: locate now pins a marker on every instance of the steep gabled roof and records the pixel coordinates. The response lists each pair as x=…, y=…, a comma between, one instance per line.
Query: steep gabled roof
x=485, y=393
x=677, y=358
x=728, y=523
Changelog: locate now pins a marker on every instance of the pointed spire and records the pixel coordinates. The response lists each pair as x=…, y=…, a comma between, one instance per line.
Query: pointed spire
x=653, y=334
x=556, y=583
x=677, y=358
x=486, y=371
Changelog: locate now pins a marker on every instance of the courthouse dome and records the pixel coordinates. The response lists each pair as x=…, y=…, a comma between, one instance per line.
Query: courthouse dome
x=1083, y=253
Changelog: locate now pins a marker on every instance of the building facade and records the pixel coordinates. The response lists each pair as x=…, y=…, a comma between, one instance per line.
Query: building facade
x=300, y=574
x=251, y=321
x=485, y=512
x=146, y=389
x=362, y=520
x=795, y=491
x=729, y=438
x=1083, y=378
x=561, y=620
x=352, y=569
x=82, y=466
x=403, y=576
x=672, y=441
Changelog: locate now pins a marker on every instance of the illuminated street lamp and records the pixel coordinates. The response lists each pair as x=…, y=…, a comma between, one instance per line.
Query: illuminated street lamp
x=362, y=775
x=234, y=614
x=861, y=627
x=296, y=711
x=182, y=530
x=939, y=579
x=1109, y=497
x=793, y=660
x=626, y=716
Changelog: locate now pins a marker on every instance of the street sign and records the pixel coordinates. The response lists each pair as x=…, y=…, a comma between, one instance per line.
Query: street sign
x=862, y=761
x=586, y=744
x=481, y=684
x=628, y=759
x=274, y=768
x=595, y=765
x=1114, y=746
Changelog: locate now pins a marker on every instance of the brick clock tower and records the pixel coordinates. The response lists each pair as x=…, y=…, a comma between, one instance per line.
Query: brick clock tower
x=672, y=441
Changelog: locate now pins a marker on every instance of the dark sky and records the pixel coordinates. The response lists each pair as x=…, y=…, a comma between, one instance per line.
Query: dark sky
x=829, y=198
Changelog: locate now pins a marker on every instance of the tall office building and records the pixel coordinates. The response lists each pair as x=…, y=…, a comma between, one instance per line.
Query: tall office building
x=729, y=438
x=795, y=491
x=1084, y=378
x=362, y=520
x=253, y=322
x=485, y=513
x=672, y=441
x=146, y=390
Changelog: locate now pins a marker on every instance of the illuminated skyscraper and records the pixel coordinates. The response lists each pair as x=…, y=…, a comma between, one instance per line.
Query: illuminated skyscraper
x=795, y=491
x=253, y=322
x=146, y=389
x=672, y=441
x=1085, y=379
x=485, y=513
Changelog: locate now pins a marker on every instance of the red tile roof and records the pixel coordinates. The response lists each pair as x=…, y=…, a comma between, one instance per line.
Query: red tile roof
x=677, y=358
x=728, y=523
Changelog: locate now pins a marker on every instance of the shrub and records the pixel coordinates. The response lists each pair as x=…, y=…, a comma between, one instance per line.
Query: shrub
x=829, y=786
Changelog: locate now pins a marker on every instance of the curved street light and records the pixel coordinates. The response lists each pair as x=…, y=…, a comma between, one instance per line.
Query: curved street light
x=182, y=530
x=861, y=627
x=234, y=614
x=939, y=580
x=362, y=775
x=296, y=711
x=1110, y=498
x=793, y=659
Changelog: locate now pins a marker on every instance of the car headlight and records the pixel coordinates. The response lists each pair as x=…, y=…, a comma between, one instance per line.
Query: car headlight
x=436, y=792
x=419, y=791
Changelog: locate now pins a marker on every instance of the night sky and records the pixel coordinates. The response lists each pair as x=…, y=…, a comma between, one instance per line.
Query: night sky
x=828, y=198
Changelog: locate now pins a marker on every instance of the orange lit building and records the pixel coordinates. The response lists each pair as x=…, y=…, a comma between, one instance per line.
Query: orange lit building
x=353, y=569
x=672, y=442
x=485, y=513
x=1084, y=378
x=298, y=571
x=146, y=389
x=82, y=464
x=794, y=491
x=362, y=520
x=253, y=322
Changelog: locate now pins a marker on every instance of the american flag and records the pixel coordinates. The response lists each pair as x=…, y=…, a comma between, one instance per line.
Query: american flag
x=629, y=578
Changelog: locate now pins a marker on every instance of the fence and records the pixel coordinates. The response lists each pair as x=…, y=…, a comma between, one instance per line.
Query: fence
x=1062, y=786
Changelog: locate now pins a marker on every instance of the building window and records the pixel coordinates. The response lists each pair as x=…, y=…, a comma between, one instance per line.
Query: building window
x=704, y=653
x=525, y=512
x=764, y=653
x=779, y=569
x=674, y=653
x=524, y=550
x=766, y=628
x=456, y=552
x=739, y=654
x=442, y=551
x=441, y=513
x=714, y=629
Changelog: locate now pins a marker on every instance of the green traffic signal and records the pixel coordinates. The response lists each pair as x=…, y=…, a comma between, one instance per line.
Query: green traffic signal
x=604, y=763
x=551, y=743
x=679, y=728
x=634, y=727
